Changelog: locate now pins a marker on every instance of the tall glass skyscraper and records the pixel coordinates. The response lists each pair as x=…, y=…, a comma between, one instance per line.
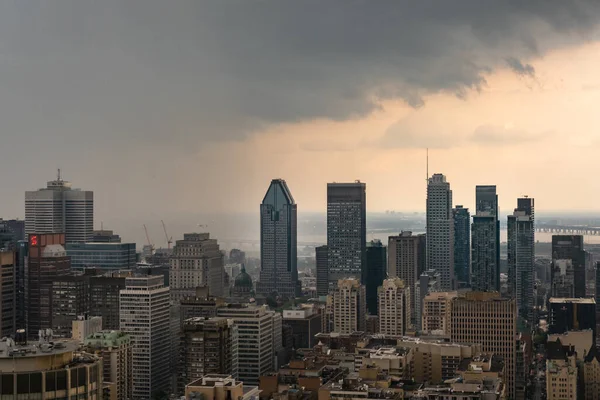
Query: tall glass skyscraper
x=440, y=230
x=278, y=242
x=347, y=231
x=485, y=241
x=462, y=246
x=376, y=273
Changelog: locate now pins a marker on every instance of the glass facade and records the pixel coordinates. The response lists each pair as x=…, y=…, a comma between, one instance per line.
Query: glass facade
x=102, y=255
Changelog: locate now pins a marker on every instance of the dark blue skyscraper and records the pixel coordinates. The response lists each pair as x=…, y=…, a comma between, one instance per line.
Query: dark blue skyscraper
x=376, y=272
x=485, y=243
x=462, y=245
x=278, y=242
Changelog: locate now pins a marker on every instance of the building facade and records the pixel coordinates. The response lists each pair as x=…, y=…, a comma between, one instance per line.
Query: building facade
x=485, y=241
x=107, y=256
x=8, y=294
x=571, y=315
x=70, y=299
x=440, y=230
x=144, y=316
x=278, y=242
x=436, y=312
x=561, y=371
x=394, y=307
x=429, y=282
x=569, y=248
x=322, y=270
x=346, y=231
x=462, y=246
x=105, y=299
x=349, y=306
x=376, y=273
x=305, y=322
x=59, y=208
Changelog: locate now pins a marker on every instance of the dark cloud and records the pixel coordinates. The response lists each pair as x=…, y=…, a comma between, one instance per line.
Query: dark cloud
x=519, y=68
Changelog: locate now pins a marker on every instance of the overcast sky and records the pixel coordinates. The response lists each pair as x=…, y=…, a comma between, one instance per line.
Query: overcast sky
x=171, y=107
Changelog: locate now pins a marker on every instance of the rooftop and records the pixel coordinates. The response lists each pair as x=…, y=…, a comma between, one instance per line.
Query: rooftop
x=564, y=300
x=8, y=348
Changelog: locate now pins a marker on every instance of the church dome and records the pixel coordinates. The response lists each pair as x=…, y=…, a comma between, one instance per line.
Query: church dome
x=243, y=280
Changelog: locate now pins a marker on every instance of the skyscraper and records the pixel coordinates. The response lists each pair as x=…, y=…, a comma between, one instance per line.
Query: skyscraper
x=322, y=272
x=570, y=248
x=347, y=231
x=462, y=245
x=440, y=230
x=144, y=316
x=104, y=299
x=7, y=294
x=376, y=272
x=407, y=261
x=485, y=243
x=60, y=209
x=429, y=282
x=394, y=307
x=278, y=242
x=521, y=257
x=196, y=261
x=349, y=306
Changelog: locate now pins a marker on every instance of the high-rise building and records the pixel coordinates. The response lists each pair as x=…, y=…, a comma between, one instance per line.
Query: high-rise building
x=407, y=261
x=196, y=261
x=521, y=259
x=278, y=242
x=572, y=315
x=58, y=208
x=487, y=318
x=349, y=306
x=116, y=350
x=105, y=299
x=436, y=315
x=376, y=273
x=206, y=347
x=597, y=303
x=259, y=339
x=429, y=282
x=108, y=256
x=144, y=314
x=322, y=271
x=21, y=256
x=201, y=304
x=47, y=259
x=7, y=294
x=394, y=307
x=569, y=247
x=70, y=299
x=347, y=231
x=11, y=232
x=462, y=245
x=485, y=241
x=440, y=230
x=305, y=323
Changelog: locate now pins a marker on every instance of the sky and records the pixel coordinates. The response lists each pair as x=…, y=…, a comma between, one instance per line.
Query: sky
x=167, y=109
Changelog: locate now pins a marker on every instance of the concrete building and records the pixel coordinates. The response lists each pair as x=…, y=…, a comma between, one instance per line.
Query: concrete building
x=278, y=242
x=347, y=231
x=376, y=273
x=561, y=371
x=196, y=261
x=305, y=322
x=104, y=299
x=572, y=315
x=581, y=341
x=591, y=374
x=322, y=271
x=207, y=346
x=429, y=282
x=105, y=236
x=349, y=306
x=487, y=318
x=462, y=246
x=46, y=260
x=569, y=247
x=407, y=261
x=259, y=339
x=85, y=326
x=201, y=304
x=59, y=208
x=107, y=256
x=394, y=307
x=485, y=241
x=521, y=259
x=7, y=294
x=116, y=350
x=144, y=315
x=440, y=230
x=70, y=299
x=437, y=312
x=220, y=387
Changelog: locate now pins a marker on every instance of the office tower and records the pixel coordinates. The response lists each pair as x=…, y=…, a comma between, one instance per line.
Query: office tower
x=346, y=231
x=106, y=256
x=196, y=261
x=205, y=348
x=436, y=315
x=485, y=241
x=85, y=326
x=116, y=350
x=561, y=371
x=105, y=236
x=21, y=255
x=258, y=342
x=144, y=315
x=407, y=261
x=376, y=273
x=349, y=306
x=70, y=299
x=305, y=322
x=521, y=259
x=105, y=299
x=201, y=304
x=60, y=209
x=11, y=232
x=462, y=245
x=46, y=260
x=429, y=282
x=394, y=307
x=569, y=247
x=278, y=242
x=487, y=318
x=7, y=294
x=440, y=230
x=572, y=315
x=322, y=271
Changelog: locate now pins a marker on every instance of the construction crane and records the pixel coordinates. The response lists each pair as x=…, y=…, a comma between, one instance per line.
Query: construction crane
x=169, y=239
x=148, y=239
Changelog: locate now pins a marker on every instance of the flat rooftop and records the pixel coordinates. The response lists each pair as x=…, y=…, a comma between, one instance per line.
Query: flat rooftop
x=34, y=349
x=580, y=300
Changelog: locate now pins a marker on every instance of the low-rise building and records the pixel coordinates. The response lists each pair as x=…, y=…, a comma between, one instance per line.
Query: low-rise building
x=591, y=375
x=220, y=387
x=561, y=371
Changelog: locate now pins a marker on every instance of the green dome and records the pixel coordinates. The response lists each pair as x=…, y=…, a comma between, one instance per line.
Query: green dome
x=243, y=280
